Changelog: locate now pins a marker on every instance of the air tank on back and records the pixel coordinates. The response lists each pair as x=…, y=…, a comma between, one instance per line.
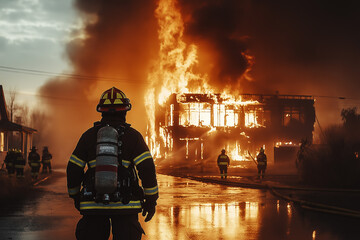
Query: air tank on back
x=106, y=161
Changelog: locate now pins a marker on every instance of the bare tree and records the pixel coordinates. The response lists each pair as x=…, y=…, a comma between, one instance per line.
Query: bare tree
x=12, y=106
x=22, y=113
x=39, y=122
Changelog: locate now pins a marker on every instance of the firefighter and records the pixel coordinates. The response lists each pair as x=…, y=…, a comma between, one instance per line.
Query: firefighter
x=10, y=161
x=261, y=163
x=223, y=161
x=46, y=160
x=19, y=164
x=120, y=204
x=34, y=163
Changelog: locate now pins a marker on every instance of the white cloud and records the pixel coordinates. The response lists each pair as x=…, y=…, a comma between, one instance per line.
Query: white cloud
x=23, y=20
x=33, y=34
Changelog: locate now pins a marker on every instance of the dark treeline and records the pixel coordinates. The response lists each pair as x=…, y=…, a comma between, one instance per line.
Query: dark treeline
x=336, y=161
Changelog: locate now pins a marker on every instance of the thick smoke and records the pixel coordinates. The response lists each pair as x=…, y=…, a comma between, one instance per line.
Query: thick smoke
x=217, y=27
x=308, y=47
x=120, y=40
x=300, y=47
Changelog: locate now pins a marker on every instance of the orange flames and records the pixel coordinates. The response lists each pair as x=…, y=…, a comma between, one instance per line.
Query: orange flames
x=173, y=73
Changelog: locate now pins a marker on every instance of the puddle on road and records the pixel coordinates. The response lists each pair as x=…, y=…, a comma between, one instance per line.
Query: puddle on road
x=192, y=210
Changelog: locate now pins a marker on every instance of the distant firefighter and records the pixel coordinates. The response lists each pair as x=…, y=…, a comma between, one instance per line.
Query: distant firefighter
x=223, y=161
x=34, y=163
x=261, y=163
x=19, y=164
x=10, y=162
x=46, y=160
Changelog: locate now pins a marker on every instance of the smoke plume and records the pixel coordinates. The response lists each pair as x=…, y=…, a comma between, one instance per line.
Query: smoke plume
x=300, y=47
x=118, y=41
x=218, y=28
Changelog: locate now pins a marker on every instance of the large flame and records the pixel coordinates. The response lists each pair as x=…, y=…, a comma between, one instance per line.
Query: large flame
x=173, y=73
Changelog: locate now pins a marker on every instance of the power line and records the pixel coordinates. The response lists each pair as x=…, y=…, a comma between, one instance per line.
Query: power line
x=108, y=79
x=43, y=96
x=67, y=75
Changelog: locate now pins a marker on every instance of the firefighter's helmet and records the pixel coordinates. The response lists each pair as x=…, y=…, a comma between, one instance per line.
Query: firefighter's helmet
x=113, y=100
x=223, y=151
x=262, y=150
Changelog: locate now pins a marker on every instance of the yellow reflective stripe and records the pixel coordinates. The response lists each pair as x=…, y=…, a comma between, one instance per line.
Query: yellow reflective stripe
x=223, y=157
x=92, y=163
x=107, y=101
x=118, y=101
x=125, y=163
x=151, y=191
x=34, y=164
x=74, y=190
x=19, y=166
x=142, y=157
x=261, y=163
x=223, y=163
x=112, y=205
x=75, y=160
x=46, y=161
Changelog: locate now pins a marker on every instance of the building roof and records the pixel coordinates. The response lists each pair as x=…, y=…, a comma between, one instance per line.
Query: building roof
x=5, y=124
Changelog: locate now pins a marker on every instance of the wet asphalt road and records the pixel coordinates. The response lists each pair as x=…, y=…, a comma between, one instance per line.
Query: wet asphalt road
x=186, y=209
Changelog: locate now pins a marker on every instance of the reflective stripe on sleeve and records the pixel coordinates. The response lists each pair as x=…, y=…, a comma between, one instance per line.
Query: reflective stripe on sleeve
x=92, y=163
x=142, y=157
x=112, y=205
x=125, y=163
x=77, y=161
x=73, y=191
x=151, y=191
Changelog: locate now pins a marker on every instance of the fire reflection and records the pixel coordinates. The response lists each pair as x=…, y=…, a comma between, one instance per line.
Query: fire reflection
x=205, y=219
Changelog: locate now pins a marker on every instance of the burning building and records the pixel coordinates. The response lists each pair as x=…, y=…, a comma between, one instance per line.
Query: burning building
x=192, y=116
x=195, y=127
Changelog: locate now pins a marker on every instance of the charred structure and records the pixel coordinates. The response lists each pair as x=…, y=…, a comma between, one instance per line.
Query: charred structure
x=195, y=127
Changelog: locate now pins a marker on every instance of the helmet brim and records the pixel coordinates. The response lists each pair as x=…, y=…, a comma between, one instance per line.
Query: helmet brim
x=113, y=108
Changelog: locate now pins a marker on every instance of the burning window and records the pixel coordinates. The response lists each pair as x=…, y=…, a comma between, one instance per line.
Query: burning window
x=195, y=114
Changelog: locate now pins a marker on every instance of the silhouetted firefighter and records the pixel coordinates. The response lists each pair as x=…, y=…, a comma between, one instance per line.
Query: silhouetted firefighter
x=19, y=164
x=114, y=152
x=261, y=163
x=223, y=161
x=46, y=160
x=34, y=163
x=10, y=162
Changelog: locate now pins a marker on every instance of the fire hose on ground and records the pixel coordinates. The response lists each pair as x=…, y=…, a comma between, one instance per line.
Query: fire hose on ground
x=319, y=207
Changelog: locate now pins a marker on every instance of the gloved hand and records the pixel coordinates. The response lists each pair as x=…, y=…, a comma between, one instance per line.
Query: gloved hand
x=77, y=202
x=148, y=210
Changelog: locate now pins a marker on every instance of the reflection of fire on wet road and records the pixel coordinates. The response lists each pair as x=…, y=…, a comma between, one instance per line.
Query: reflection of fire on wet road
x=186, y=209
